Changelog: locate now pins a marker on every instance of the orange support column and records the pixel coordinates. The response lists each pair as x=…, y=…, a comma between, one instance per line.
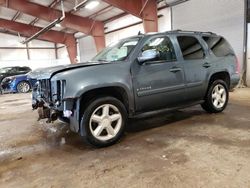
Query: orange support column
x=71, y=48
x=99, y=36
x=149, y=16
x=144, y=9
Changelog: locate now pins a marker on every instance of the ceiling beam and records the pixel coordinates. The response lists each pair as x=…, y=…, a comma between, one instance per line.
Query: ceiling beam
x=104, y=10
x=115, y=17
x=51, y=5
x=27, y=30
x=51, y=36
x=130, y=6
x=78, y=23
x=125, y=14
x=144, y=9
x=16, y=16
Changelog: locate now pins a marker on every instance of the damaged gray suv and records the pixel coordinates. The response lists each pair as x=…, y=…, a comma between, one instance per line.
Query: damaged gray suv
x=136, y=77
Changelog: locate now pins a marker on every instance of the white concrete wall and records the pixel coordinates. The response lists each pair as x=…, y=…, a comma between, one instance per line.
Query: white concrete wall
x=34, y=64
x=128, y=32
x=225, y=17
x=63, y=54
x=248, y=57
x=38, y=57
x=87, y=46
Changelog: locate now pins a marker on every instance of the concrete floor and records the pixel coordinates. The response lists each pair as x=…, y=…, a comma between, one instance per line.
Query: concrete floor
x=188, y=148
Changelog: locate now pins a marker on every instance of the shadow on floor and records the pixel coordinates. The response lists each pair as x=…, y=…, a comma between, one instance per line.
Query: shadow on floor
x=159, y=120
x=64, y=136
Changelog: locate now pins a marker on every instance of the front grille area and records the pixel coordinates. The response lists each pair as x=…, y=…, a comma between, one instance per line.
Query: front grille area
x=45, y=89
x=58, y=90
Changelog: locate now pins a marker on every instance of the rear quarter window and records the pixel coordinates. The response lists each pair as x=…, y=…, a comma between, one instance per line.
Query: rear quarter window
x=24, y=69
x=191, y=48
x=219, y=46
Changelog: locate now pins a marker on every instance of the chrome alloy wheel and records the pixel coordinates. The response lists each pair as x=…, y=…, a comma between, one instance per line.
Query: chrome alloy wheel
x=23, y=87
x=219, y=96
x=105, y=122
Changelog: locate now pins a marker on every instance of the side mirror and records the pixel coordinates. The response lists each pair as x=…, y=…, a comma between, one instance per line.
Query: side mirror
x=148, y=55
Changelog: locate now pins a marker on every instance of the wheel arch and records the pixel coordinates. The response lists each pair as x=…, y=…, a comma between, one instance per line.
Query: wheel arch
x=222, y=75
x=117, y=92
x=88, y=96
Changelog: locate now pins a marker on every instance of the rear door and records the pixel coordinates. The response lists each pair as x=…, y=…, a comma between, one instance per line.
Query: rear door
x=196, y=64
x=158, y=83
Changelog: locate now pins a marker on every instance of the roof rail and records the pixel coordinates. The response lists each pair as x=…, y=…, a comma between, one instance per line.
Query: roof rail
x=195, y=32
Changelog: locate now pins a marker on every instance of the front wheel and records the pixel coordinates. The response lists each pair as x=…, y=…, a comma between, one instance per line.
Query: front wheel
x=104, y=121
x=217, y=97
x=23, y=87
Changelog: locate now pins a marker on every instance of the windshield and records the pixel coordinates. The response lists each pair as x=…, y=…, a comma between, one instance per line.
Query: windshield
x=117, y=51
x=5, y=70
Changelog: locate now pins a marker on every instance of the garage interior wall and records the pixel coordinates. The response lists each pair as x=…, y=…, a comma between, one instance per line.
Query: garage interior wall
x=87, y=47
x=248, y=56
x=224, y=17
x=37, y=57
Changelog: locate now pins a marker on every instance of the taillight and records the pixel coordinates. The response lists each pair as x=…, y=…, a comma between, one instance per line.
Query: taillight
x=237, y=65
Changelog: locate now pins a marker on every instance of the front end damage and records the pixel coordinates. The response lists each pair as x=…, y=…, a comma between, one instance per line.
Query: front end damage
x=52, y=97
x=47, y=99
x=44, y=112
x=41, y=101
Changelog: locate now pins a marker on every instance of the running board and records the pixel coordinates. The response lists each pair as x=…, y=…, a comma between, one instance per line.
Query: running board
x=165, y=110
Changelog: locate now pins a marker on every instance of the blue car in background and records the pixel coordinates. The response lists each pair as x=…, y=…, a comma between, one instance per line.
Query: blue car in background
x=17, y=84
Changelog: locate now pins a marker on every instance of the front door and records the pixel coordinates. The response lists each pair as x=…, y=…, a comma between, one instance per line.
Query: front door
x=158, y=83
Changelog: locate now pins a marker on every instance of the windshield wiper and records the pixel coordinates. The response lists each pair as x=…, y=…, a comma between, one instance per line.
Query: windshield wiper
x=104, y=60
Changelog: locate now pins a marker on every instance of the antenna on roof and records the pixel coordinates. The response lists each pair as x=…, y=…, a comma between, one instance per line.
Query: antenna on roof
x=139, y=33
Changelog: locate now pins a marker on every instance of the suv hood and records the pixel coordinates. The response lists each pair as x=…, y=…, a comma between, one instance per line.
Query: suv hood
x=46, y=73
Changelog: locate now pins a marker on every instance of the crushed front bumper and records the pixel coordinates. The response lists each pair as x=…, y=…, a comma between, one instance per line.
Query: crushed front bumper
x=69, y=112
x=44, y=112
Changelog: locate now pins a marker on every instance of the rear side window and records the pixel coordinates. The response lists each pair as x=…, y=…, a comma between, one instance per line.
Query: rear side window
x=13, y=70
x=24, y=69
x=191, y=48
x=219, y=46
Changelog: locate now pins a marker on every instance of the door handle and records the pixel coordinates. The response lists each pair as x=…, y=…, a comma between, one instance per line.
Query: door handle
x=175, y=69
x=206, y=65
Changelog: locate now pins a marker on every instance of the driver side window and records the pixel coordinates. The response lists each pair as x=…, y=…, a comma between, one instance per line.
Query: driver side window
x=164, y=46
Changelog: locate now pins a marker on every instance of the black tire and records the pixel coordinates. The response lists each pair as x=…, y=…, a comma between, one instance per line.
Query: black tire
x=20, y=87
x=209, y=105
x=88, y=124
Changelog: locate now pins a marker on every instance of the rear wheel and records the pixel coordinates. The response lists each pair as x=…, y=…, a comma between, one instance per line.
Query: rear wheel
x=23, y=87
x=104, y=121
x=217, y=97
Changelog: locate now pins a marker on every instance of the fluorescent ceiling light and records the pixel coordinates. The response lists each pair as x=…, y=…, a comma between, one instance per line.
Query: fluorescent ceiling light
x=92, y=4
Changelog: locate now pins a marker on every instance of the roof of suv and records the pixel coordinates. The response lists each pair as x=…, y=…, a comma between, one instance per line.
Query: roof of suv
x=179, y=32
